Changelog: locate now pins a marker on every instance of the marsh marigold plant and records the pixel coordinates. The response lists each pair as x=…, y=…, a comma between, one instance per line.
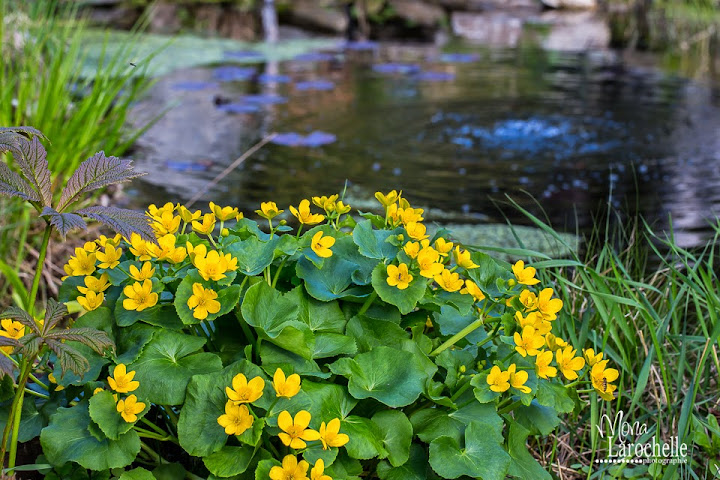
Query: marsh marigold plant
x=315, y=343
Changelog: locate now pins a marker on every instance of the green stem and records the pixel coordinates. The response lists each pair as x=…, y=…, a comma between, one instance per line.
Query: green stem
x=277, y=272
x=460, y=391
x=13, y=420
x=367, y=303
x=153, y=426
x=38, y=270
x=458, y=336
x=37, y=394
x=510, y=407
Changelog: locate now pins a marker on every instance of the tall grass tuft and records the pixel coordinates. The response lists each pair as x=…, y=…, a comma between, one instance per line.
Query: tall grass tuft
x=653, y=307
x=41, y=84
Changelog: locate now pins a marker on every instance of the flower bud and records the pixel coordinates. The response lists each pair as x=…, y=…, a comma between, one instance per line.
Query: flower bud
x=462, y=369
x=283, y=222
x=511, y=282
x=225, y=232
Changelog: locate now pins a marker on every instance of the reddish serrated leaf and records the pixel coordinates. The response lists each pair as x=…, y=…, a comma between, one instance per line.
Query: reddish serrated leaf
x=15, y=313
x=95, y=339
x=70, y=359
x=14, y=185
x=63, y=222
x=34, y=165
x=125, y=222
x=54, y=313
x=96, y=172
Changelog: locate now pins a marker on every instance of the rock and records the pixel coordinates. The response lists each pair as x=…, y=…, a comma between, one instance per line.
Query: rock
x=571, y=4
x=575, y=31
x=114, y=16
x=420, y=13
x=319, y=14
x=226, y=21
x=498, y=29
x=165, y=18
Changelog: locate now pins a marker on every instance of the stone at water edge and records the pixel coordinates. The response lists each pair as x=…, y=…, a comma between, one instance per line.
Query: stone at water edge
x=570, y=4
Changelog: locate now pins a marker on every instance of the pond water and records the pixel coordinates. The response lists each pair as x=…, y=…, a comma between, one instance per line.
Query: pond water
x=566, y=134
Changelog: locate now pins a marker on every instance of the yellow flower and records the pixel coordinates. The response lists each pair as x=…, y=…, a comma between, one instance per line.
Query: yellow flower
x=146, y=272
x=410, y=215
x=394, y=214
x=547, y=306
x=156, y=212
x=449, y=281
x=268, y=210
x=398, y=276
x=122, y=380
x=443, y=247
x=498, y=380
x=568, y=363
x=529, y=300
x=524, y=275
x=90, y=247
x=166, y=250
x=140, y=248
x=91, y=300
x=239, y=216
x=95, y=392
x=591, y=357
x=11, y=329
x=518, y=379
x=202, y=302
x=110, y=258
x=53, y=380
x=83, y=263
x=223, y=213
x=326, y=203
x=166, y=223
x=389, y=199
x=411, y=249
x=427, y=260
x=195, y=251
x=207, y=225
x=295, y=431
x=535, y=320
x=601, y=377
x=462, y=258
x=139, y=296
x=188, y=216
x=321, y=245
x=416, y=231
x=529, y=342
x=542, y=364
x=212, y=266
x=302, y=213
x=330, y=435
x=554, y=342
x=471, y=288
x=318, y=471
x=129, y=408
x=96, y=285
x=287, y=388
x=341, y=208
x=103, y=241
x=236, y=419
x=291, y=469
x=243, y=391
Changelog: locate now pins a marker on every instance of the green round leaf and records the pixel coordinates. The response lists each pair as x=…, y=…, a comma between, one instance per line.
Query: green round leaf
x=103, y=411
x=415, y=469
x=397, y=435
x=227, y=296
x=253, y=255
x=198, y=430
x=366, y=438
x=393, y=377
x=68, y=439
x=166, y=365
x=481, y=456
x=137, y=474
x=329, y=282
x=373, y=243
x=316, y=451
x=229, y=461
x=523, y=464
x=405, y=300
